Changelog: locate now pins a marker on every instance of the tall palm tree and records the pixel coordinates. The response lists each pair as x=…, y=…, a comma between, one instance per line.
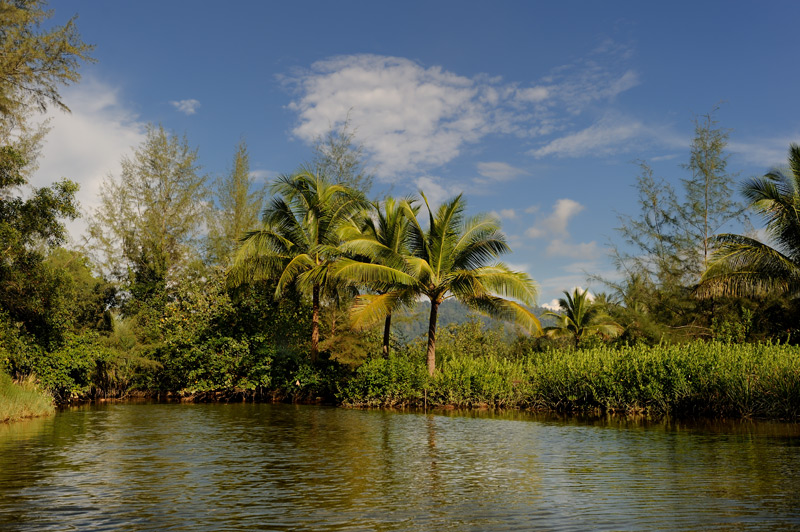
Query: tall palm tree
x=449, y=259
x=581, y=318
x=299, y=241
x=744, y=266
x=381, y=237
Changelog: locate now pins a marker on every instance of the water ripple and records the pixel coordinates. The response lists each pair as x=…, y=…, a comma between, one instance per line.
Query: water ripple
x=133, y=467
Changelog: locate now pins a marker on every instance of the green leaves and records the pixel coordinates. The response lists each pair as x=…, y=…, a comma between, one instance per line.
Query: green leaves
x=744, y=266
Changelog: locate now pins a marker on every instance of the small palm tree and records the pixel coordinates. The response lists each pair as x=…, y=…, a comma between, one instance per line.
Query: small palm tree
x=381, y=237
x=744, y=266
x=448, y=259
x=299, y=242
x=581, y=318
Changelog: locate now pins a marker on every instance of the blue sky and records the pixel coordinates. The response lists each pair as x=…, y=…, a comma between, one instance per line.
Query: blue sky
x=537, y=111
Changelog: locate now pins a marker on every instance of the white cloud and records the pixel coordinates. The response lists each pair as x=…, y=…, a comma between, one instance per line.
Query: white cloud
x=504, y=214
x=555, y=225
x=187, y=107
x=768, y=153
x=414, y=118
x=509, y=214
x=436, y=191
x=562, y=248
x=609, y=135
x=499, y=171
x=553, y=305
x=88, y=144
x=262, y=175
x=533, y=94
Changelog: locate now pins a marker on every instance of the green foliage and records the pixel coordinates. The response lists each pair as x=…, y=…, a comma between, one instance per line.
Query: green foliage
x=65, y=372
x=671, y=239
x=35, y=62
x=396, y=380
x=238, y=206
x=146, y=229
x=447, y=259
x=296, y=379
x=581, y=319
x=299, y=243
x=691, y=379
x=744, y=266
x=32, y=292
x=716, y=379
x=340, y=158
x=198, y=353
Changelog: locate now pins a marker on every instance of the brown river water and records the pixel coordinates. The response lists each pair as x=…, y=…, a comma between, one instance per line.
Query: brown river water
x=226, y=467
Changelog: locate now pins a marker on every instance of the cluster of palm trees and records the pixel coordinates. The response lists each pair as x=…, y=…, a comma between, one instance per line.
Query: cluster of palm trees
x=324, y=238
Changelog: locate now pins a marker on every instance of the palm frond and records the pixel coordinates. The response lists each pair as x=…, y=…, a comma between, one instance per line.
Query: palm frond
x=504, y=309
x=369, y=309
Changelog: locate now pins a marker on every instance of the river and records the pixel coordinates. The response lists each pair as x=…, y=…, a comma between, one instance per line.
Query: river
x=220, y=467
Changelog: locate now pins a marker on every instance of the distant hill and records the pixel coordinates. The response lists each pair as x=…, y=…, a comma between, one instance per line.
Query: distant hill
x=409, y=324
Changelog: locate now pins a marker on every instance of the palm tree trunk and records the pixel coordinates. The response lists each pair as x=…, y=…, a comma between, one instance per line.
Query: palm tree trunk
x=432, y=337
x=387, y=328
x=315, y=323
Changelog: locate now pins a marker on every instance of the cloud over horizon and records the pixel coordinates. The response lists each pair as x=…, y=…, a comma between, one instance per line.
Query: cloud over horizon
x=413, y=118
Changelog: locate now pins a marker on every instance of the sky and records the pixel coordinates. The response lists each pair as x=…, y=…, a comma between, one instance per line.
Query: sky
x=538, y=112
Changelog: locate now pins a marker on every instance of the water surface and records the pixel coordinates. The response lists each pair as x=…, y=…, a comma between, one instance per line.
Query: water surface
x=232, y=467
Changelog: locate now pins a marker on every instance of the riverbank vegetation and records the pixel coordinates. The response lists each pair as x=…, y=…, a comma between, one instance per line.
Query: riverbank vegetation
x=22, y=400
x=182, y=289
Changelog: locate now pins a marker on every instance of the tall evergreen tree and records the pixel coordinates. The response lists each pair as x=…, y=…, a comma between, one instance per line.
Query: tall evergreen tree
x=710, y=201
x=238, y=205
x=147, y=226
x=35, y=58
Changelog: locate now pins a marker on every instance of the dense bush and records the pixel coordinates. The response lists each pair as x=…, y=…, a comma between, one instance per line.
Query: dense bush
x=758, y=380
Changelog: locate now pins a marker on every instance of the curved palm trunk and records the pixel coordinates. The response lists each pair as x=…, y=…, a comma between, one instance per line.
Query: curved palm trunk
x=387, y=328
x=315, y=323
x=432, y=337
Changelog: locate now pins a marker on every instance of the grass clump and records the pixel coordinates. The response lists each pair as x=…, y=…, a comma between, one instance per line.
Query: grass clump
x=696, y=379
x=21, y=401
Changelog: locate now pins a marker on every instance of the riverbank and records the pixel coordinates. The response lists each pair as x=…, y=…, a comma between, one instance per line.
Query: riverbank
x=22, y=401
x=697, y=379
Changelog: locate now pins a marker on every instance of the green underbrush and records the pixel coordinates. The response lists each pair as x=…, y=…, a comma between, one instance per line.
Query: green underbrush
x=707, y=379
x=21, y=401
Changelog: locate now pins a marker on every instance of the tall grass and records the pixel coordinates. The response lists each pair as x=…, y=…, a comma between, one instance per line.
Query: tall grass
x=20, y=401
x=709, y=379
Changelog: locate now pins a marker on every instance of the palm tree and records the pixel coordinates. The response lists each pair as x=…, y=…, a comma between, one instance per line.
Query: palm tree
x=744, y=266
x=448, y=259
x=381, y=237
x=299, y=241
x=581, y=318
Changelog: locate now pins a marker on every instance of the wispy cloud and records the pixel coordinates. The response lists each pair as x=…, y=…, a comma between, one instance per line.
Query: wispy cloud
x=581, y=250
x=768, y=153
x=555, y=224
x=499, y=171
x=610, y=135
x=262, y=175
x=413, y=118
x=187, y=107
x=436, y=190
